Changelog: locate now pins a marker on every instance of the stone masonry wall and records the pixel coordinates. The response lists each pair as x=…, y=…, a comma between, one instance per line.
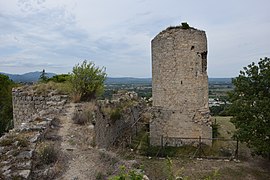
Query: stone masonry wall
x=109, y=130
x=28, y=104
x=180, y=85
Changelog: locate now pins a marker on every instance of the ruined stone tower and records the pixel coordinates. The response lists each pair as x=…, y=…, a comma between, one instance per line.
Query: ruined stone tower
x=180, y=87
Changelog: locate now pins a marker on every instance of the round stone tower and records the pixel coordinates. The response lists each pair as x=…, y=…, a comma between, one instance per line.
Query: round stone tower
x=180, y=86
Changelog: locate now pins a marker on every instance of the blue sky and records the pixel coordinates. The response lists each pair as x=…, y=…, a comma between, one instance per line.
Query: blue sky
x=57, y=34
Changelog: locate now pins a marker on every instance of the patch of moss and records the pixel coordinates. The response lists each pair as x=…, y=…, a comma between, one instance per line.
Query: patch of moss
x=6, y=142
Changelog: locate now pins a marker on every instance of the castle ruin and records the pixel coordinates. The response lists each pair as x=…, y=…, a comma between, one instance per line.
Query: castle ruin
x=180, y=87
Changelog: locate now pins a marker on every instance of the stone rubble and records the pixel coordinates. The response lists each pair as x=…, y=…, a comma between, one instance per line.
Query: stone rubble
x=18, y=146
x=33, y=115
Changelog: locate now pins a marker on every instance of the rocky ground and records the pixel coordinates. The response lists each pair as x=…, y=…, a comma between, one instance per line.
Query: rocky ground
x=83, y=159
x=80, y=159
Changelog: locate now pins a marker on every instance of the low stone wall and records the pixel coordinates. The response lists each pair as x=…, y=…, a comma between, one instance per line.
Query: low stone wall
x=17, y=149
x=28, y=104
x=116, y=120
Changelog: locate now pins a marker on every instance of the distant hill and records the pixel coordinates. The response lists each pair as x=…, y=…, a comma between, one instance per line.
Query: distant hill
x=27, y=77
x=220, y=80
x=128, y=80
x=34, y=76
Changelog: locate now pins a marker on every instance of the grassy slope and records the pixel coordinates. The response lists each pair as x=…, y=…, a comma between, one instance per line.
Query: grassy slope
x=226, y=128
x=248, y=168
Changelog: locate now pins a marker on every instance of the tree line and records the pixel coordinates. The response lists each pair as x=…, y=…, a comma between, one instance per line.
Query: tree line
x=6, y=110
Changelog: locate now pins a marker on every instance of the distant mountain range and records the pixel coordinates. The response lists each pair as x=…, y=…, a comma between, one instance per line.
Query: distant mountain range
x=27, y=77
x=34, y=76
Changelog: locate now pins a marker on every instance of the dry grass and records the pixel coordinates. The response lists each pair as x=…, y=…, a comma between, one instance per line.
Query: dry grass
x=84, y=113
x=16, y=140
x=226, y=128
x=75, y=97
x=47, y=153
x=59, y=88
x=6, y=142
x=248, y=167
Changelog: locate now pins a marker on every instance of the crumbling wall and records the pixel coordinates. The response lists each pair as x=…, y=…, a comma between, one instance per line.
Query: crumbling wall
x=116, y=120
x=179, y=85
x=29, y=104
x=17, y=148
x=34, y=112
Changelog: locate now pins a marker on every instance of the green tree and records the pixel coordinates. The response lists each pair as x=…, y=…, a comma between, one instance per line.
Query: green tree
x=60, y=78
x=88, y=80
x=251, y=106
x=43, y=77
x=6, y=111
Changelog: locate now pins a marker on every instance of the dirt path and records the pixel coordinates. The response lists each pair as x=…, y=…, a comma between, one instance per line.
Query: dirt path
x=83, y=160
x=66, y=123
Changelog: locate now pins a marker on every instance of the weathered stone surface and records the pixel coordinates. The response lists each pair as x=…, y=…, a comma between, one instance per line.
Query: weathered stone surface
x=5, y=168
x=35, y=138
x=25, y=155
x=27, y=105
x=24, y=173
x=179, y=86
x=111, y=131
x=7, y=173
x=24, y=165
x=17, y=148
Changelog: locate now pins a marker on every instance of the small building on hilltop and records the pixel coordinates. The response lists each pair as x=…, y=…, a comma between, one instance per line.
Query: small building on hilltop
x=179, y=87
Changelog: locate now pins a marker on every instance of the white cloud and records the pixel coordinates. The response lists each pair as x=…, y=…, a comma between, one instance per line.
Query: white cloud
x=117, y=34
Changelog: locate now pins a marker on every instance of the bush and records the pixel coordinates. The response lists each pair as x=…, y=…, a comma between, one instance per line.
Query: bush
x=80, y=118
x=109, y=159
x=22, y=142
x=100, y=176
x=185, y=25
x=6, y=110
x=48, y=153
x=87, y=80
x=84, y=114
x=60, y=78
x=6, y=142
x=215, y=129
x=115, y=114
x=221, y=110
x=129, y=175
